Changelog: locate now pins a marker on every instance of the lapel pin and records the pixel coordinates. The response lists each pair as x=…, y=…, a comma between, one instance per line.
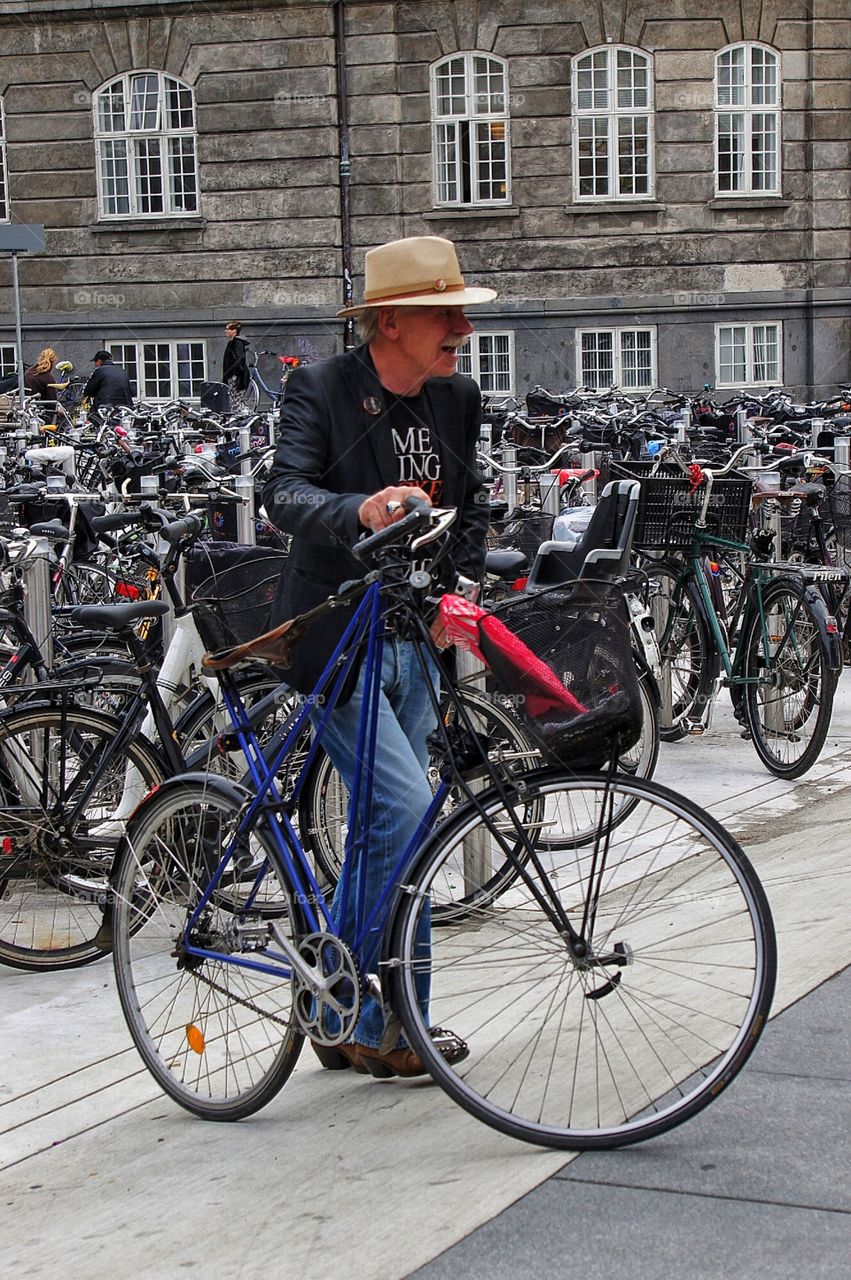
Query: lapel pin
x=372, y=406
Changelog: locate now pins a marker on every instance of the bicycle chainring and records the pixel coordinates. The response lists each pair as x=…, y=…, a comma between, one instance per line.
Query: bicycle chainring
x=329, y=1017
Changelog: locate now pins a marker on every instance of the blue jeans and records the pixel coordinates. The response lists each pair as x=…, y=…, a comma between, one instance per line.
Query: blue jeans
x=401, y=796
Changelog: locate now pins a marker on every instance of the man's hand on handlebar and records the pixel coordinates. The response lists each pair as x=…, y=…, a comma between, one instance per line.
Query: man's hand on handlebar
x=387, y=506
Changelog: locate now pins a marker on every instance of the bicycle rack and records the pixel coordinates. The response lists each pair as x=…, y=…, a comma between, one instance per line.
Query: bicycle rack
x=37, y=598
x=509, y=479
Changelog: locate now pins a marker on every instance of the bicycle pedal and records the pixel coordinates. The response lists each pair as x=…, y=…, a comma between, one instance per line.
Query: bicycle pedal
x=695, y=729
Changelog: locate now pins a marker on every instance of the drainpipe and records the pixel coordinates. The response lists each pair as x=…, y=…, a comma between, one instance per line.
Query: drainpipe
x=809, y=130
x=345, y=167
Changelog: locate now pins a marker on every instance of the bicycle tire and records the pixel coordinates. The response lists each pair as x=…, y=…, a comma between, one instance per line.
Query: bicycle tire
x=789, y=717
x=686, y=648
x=219, y=1039
x=54, y=879
x=572, y=1056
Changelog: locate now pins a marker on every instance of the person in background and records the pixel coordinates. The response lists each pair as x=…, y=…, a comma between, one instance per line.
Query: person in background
x=235, y=374
x=37, y=378
x=108, y=385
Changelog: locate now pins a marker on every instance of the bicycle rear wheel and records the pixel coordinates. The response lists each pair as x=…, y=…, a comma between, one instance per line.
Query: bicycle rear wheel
x=217, y=1035
x=54, y=870
x=688, y=657
x=789, y=692
x=641, y=1032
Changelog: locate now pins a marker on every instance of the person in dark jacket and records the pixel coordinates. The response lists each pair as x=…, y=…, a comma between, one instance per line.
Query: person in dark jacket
x=358, y=434
x=38, y=377
x=108, y=385
x=235, y=372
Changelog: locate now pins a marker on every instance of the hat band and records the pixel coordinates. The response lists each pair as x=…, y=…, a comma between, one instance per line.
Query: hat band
x=375, y=299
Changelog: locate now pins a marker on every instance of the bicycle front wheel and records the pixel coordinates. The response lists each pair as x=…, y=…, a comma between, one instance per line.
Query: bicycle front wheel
x=54, y=866
x=789, y=687
x=621, y=1043
x=215, y=1031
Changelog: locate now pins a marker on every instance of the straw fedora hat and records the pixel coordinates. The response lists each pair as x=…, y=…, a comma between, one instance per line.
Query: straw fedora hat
x=421, y=271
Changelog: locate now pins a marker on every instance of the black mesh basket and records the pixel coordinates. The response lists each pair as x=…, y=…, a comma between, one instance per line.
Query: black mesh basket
x=838, y=511
x=566, y=663
x=521, y=530
x=668, y=506
x=231, y=587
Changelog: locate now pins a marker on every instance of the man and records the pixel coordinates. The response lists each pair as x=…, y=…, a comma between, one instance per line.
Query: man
x=108, y=385
x=358, y=434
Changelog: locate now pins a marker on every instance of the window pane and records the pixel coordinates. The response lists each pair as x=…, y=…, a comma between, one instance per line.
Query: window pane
x=732, y=354
x=489, y=87
x=451, y=86
x=766, y=353
x=598, y=371
x=8, y=360
x=115, y=181
x=190, y=368
x=636, y=359
x=633, y=156
x=157, y=370
x=764, y=150
x=179, y=108
x=181, y=173
x=731, y=152
x=111, y=108
x=125, y=354
x=494, y=363
x=594, y=156
x=447, y=162
x=491, y=161
x=592, y=82
x=144, y=102
x=763, y=78
x=731, y=78
x=465, y=359
x=633, y=80
x=148, y=175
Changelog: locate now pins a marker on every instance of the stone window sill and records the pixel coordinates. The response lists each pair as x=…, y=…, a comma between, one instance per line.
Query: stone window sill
x=466, y=211
x=616, y=206
x=120, y=225
x=731, y=204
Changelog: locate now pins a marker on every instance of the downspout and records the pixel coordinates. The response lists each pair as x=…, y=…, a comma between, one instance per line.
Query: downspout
x=345, y=166
x=809, y=129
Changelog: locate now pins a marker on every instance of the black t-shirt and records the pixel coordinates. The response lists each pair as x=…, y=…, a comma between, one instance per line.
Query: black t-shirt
x=414, y=444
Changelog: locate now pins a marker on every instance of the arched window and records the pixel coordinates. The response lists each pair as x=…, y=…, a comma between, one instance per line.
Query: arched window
x=145, y=138
x=747, y=121
x=612, y=94
x=469, y=97
x=4, y=181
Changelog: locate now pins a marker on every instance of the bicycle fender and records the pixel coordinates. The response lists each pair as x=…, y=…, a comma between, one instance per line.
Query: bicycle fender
x=829, y=632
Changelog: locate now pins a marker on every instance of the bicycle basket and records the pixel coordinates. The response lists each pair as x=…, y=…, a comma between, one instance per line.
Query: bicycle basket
x=522, y=530
x=838, y=504
x=566, y=663
x=231, y=588
x=540, y=437
x=668, y=506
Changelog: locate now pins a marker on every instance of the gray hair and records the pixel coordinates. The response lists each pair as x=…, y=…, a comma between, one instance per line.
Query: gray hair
x=367, y=323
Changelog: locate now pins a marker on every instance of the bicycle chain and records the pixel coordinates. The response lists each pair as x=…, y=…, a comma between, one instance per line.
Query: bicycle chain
x=249, y=1004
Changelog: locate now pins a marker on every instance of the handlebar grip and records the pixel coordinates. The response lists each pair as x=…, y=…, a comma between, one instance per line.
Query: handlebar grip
x=417, y=510
x=176, y=530
x=118, y=520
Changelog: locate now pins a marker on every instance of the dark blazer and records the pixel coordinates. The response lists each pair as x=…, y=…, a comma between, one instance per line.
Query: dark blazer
x=109, y=384
x=334, y=450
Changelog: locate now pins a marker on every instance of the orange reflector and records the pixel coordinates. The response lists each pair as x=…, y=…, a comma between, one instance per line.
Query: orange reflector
x=195, y=1038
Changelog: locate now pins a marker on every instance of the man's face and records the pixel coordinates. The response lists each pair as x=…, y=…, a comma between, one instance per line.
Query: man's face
x=429, y=337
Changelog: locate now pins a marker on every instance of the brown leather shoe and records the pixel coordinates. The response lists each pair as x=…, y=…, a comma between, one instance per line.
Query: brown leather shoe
x=398, y=1062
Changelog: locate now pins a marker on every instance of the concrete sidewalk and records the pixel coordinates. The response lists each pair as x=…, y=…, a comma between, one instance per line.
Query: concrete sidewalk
x=759, y=1185
x=368, y=1180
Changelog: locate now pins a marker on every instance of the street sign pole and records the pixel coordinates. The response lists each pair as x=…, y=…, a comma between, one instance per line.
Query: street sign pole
x=15, y=238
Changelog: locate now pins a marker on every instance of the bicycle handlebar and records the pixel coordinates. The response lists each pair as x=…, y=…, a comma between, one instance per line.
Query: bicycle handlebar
x=419, y=513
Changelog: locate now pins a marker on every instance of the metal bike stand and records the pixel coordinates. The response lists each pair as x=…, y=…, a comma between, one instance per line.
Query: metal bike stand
x=549, y=486
x=742, y=434
x=509, y=480
x=666, y=696
x=842, y=452
x=591, y=460
x=246, y=527
x=37, y=598
x=477, y=852
x=167, y=621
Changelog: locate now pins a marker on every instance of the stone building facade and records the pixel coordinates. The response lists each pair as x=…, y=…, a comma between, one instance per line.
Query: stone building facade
x=661, y=193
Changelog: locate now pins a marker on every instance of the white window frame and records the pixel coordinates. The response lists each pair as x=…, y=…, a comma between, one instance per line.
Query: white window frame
x=5, y=211
x=158, y=142
x=608, y=118
x=132, y=357
x=752, y=334
x=8, y=359
x=462, y=135
x=618, y=356
x=471, y=358
x=754, y=102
